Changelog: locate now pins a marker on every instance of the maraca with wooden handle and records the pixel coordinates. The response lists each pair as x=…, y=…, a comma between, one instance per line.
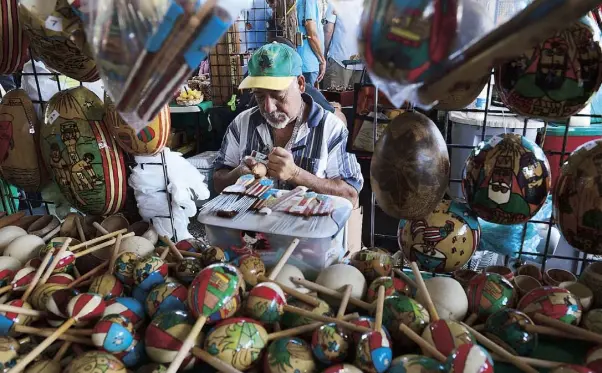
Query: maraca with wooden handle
x=488, y=293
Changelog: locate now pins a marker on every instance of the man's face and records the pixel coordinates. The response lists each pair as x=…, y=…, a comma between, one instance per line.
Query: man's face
x=279, y=108
x=499, y=186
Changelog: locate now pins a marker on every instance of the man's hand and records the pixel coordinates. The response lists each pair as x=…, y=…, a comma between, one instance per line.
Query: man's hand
x=281, y=165
x=245, y=166
x=322, y=71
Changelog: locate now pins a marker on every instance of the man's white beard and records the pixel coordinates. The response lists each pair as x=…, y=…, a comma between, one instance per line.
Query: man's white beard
x=277, y=120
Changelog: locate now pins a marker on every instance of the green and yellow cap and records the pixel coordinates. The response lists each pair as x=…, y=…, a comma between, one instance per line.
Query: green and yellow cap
x=274, y=66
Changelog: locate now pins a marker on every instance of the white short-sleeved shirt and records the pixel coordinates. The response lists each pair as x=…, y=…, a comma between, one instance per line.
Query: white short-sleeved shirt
x=343, y=44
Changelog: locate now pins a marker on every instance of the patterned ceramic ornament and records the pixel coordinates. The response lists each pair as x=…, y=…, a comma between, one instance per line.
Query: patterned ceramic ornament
x=215, y=292
x=9, y=352
x=14, y=43
x=135, y=355
x=124, y=267
x=393, y=286
x=443, y=241
x=373, y=353
x=593, y=359
x=165, y=334
x=577, y=198
x=149, y=141
x=20, y=162
x=168, y=296
x=18, y=318
x=265, y=303
x=86, y=164
x=107, y=286
x=506, y=179
x=150, y=272
x=187, y=269
x=470, y=359
x=372, y=263
x=447, y=335
x=60, y=42
x=402, y=309
x=556, y=78
x=289, y=355
x=592, y=321
x=96, y=361
x=553, y=302
x=237, y=341
x=416, y=364
x=405, y=42
x=488, y=293
x=505, y=328
x=251, y=266
x=130, y=308
x=330, y=344
x=291, y=320
x=342, y=368
x=568, y=368
x=367, y=322
x=114, y=333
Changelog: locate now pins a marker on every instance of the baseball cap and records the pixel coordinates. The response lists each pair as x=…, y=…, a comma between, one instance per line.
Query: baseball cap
x=273, y=66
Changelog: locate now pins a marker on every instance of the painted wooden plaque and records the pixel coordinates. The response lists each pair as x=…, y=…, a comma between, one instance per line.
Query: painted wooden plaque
x=78, y=149
x=149, y=141
x=20, y=161
x=13, y=49
x=59, y=41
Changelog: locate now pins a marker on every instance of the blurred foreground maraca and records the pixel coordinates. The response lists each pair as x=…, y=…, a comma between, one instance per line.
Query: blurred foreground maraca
x=488, y=293
x=506, y=328
x=470, y=358
x=97, y=361
x=416, y=364
x=298, y=353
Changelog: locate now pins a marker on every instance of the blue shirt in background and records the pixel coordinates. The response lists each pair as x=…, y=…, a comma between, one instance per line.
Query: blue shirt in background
x=310, y=10
x=255, y=25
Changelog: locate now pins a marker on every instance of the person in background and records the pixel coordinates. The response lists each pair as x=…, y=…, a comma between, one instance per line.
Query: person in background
x=256, y=25
x=340, y=40
x=310, y=14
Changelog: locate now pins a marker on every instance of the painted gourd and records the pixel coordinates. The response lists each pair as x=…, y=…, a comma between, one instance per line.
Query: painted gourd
x=84, y=160
x=20, y=161
x=401, y=309
x=149, y=141
x=507, y=179
x=470, y=358
x=96, y=361
x=506, y=328
x=444, y=240
x=554, y=302
x=60, y=42
x=447, y=335
x=488, y=293
x=14, y=44
x=289, y=355
x=416, y=364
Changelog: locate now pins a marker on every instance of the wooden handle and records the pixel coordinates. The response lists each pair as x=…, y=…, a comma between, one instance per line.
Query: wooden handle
x=102, y=245
x=80, y=229
x=100, y=228
x=173, y=248
x=300, y=330
x=331, y=293
x=344, y=301
x=406, y=278
x=36, y=279
x=427, y=296
x=426, y=347
x=380, y=307
x=11, y=219
x=314, y=316
x=500, y=351
x=218, y=364
x=55, y=260
x=187, y=345
x=98, y=239
x=314, y=302
x=547, y=364
x=568, y=328
x=88, y=275
x=6, y=289
x=51, y=234
x=21, y=310
x=471, y=319
x=17, y=328
x=62, y=351
x=549, y=331
x=287, y=254
x=22, y=364
x=115, y=253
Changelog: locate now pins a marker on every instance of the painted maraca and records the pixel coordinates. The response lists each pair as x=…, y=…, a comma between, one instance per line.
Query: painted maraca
x=167, y=296
x=107, y=286
x=113, y=333
x=252, y=267
x=416, y=364
x=393, y=286
x=289, y=355
x=129, y=308
x=488, y=293
x=96, y=361
x=265, y=303
x=402, y=309
x=505, y=327
x=447, y=335
x=553, y=302
x=470, y=358
x=187, y=269
x=373, y=352
x=148, y=273
x=135, y=355
x=342, y=368
x=124, y=267
x=330, y=343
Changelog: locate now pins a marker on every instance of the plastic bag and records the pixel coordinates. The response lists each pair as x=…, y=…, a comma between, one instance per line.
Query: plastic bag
x=147, y=49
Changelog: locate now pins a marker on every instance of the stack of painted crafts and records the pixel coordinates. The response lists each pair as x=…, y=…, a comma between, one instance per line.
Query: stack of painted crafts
x=231, y=314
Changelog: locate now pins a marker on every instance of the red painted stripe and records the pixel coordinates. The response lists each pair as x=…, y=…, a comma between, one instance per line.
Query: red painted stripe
x=104, y=160
x=442, y=337
x=113, y=153
x=459, y=362
x=6, y=36
x=16, y=45
x=119, y=168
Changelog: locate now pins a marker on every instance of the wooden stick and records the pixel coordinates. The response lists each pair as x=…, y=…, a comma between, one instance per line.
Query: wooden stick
x=380, y=307
x=102, y=245
x=547, y=364
x=315, y=302
x=21, y=310
x=100, y=228
x=314, y=316
x=36, y=279
x=80, y=229
x=88, y=275
x=300, y=330
x=571, y=329
x=332, y=293
x=173, y=248
x=18, y=328
x=406, y=278
x=98, y=239
x=21, y=364
x=500, y=351
x=426, y=347
x=115, y=253
x=51, y=234
x=62, y=351
x=344, y=301
x=6, y=289
x=283, y=259
x=422, y=288
x=471, y=319
x=218, y=364
x=76, y=272
x=546, y=330
x=187, y=345
x=55, y=261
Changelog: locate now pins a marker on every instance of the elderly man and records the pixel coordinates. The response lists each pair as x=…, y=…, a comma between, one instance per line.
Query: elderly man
x=305, y=144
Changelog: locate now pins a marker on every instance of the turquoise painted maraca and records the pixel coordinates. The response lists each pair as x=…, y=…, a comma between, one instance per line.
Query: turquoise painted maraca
x=113, y=333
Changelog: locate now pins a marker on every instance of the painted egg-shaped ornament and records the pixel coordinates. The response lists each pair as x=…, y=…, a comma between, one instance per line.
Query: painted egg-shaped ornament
x=229, y=309
x=149, y=141
x=330, y=344
x=18, y=318
x=39, y=297
x=291, y=320
x=9, y=352
x=84, y=160
x=127, y=307
x=569, y=368
x=152, y=368
x=506, y=328
x=215, y=292
x=250, y=339
x=408, y=42
x=342, y=368
x=410, y=167
x=44, y=366
x=187, y=269
x=393, y=286
x=23, y=278
x=506, y=179
x=96, y=361
x=443, y=241
x=462, y=95
x=251, y=266
x=150, y=272
x=60, y=279
x=372, y=263
x=447, y=335
x=86, y=307
x=60, y=44
x=114, y=333
x=593, y=359
x=553, y=302
x=15, y=44
x=192, y=245
x=373, y=353
x=289, y=355
x=488, y=293
x=135, y=355
x=168, y=296
x=214, y=255
x=107, y=286
x=265, y=303
x=592, y=321
x=402, y=309
x=124, y=267
x=165, y=335
x=20, y=162
x=370, y=323
x=577, y=198
x=556, y=78
x=469, y=359
x=416, y=364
